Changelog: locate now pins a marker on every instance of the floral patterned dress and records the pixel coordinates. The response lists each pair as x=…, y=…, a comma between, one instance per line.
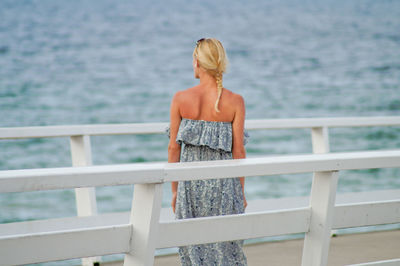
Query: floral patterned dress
x=203, y=141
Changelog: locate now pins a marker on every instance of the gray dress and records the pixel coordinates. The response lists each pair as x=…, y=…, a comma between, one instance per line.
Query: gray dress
x=204, y=141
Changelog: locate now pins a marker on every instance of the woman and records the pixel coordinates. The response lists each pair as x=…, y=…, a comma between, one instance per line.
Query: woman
x=207, y=120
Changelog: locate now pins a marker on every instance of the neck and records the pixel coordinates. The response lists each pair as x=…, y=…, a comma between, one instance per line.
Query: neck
x=207, y=80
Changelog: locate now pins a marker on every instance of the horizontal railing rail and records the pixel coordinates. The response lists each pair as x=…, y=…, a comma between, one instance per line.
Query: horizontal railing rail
x=368, y=199
x=145, y=232
x=145, y=173
x=158, y=128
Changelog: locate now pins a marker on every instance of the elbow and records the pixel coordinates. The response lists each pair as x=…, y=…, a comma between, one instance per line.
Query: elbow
x=239, y=153
x=174, y=148
x=174, y=152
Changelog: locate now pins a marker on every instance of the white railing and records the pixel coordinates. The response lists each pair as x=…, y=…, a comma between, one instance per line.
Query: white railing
x=81, y=148
x=139, y=238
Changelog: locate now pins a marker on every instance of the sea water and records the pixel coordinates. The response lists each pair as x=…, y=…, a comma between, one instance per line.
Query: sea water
x=91, y=62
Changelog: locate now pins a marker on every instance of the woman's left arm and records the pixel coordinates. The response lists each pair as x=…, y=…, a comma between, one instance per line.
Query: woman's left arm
x=238, y=150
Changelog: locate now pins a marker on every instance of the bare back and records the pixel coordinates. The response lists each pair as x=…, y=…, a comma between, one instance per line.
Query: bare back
x=198, y=103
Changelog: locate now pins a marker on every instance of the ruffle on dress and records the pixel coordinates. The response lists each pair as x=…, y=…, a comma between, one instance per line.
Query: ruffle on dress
x=214, y=134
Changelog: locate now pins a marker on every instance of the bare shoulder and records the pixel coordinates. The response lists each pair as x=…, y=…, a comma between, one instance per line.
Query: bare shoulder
x=234, y=98
x=183, y=94
x=179, y=96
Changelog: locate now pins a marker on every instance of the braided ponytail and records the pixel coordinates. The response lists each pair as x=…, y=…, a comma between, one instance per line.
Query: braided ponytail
x=211, y=56
x=218, y=78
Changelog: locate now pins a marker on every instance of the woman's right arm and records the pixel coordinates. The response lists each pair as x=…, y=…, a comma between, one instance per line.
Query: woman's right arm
x=174, y=149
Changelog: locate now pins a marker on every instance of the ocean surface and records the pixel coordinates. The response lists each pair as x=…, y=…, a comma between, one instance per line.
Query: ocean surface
x=100, y=62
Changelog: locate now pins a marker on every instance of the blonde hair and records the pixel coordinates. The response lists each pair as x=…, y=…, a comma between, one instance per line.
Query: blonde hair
x=211, y=56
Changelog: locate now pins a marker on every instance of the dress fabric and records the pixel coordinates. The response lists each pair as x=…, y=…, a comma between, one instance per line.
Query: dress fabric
x=204, y=141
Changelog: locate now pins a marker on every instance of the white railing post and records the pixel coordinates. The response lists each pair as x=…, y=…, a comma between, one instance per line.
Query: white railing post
x=320, y=139
x=320, y=144
x=81, y=154
x=322, y=203
x=145, y=218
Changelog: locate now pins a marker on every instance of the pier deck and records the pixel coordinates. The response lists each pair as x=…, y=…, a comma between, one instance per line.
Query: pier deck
x=345, y=249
